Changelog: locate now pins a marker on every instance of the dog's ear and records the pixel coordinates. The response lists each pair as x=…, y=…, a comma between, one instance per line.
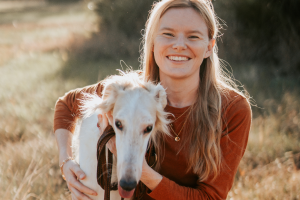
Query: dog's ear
x=160, y=95
x=109, y=96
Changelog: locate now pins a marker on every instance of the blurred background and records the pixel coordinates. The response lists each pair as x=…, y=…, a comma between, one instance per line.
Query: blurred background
x=50, y=47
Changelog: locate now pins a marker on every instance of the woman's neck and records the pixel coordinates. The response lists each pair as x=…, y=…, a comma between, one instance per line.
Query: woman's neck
x=180, y=92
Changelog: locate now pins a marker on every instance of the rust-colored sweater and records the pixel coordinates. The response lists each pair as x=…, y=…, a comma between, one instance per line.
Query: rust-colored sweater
x=177, y=183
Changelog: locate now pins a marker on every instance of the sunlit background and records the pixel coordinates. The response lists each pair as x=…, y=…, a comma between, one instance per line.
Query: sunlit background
x=50, y=47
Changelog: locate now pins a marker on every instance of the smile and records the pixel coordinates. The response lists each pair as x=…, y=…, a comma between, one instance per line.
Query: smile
x=178, y=58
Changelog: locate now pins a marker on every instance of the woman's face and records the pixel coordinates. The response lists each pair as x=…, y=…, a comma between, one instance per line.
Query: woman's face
x=181, y=43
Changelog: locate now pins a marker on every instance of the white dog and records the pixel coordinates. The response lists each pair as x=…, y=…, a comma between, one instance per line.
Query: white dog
x=137, y=109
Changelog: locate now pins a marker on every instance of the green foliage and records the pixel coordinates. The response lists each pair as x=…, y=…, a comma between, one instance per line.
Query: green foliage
x=127, y=16
x=121, y=24
x=63, y=1
x=272, y=27
x=265, y=32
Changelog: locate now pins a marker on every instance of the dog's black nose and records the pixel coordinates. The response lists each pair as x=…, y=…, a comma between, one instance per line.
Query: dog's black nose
x=127, y=185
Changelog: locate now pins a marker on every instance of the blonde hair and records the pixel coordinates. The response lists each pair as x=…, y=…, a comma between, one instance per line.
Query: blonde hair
x=205, y=121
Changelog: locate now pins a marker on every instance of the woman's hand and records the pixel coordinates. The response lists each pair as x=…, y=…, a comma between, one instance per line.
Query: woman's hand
x=103, y=123
x=72, y=173
x=71, y=169
x=150, y=177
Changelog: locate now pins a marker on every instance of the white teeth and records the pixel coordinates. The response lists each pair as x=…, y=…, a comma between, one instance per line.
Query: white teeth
x=177, y=58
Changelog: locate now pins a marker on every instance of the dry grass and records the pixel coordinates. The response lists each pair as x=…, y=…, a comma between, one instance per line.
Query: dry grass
x=270, y=166
x=29, y=169
x=276, y=180
x=36, y=68
x=33, y=49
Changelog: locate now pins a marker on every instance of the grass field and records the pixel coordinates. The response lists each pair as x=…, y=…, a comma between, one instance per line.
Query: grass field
x=37, y=66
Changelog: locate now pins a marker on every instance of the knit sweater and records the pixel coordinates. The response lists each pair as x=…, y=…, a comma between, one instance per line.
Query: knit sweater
x=177, y=182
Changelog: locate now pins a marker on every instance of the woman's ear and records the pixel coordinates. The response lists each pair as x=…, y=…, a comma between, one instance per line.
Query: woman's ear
x=210, y=48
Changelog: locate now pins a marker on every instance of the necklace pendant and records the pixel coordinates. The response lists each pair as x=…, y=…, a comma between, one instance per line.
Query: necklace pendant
x=177, y=139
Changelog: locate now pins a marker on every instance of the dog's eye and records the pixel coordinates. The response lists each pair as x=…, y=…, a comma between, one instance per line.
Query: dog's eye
x=119, y=125
x=148, y=129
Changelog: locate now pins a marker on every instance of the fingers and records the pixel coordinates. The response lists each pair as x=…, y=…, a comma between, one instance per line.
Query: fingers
x=77, y=171
x=72, y=171
x=111, y=144
x=78, y=189
x=72, y=181
x=102, y=121
x=76, y=195
x=99, y=118
x=110, y=117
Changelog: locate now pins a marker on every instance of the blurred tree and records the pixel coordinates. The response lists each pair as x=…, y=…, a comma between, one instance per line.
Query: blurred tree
x=259, y=31
x=62, y=1
x=128, y=16
x=123, y=22
x=272, y=28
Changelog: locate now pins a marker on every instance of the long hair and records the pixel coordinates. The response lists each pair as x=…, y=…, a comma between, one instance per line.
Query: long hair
x=205, y=121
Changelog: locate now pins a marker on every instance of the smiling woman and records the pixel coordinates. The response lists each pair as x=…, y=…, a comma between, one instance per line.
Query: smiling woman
x=181, y=44
x=211, y=118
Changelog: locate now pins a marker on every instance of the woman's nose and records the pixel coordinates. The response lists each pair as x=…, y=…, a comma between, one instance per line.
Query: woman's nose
x=179, y=43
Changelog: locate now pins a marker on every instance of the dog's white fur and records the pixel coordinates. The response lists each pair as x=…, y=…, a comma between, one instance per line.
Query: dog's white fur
x=136, y=104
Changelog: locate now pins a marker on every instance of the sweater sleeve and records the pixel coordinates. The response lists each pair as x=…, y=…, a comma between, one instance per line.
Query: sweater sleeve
x=67, y=107
x=233, y=144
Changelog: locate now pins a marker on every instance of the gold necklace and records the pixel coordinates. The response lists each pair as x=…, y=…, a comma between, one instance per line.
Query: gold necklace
x=179, y=116
x=177, y=138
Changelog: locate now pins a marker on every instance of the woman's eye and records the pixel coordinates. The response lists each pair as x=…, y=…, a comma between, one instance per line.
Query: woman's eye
x=194, y=37
x=169, y=34
x=119, y=125
x=148, y=129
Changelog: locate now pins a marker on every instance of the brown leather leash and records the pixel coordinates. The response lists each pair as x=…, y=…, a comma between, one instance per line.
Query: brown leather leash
x=104, y=169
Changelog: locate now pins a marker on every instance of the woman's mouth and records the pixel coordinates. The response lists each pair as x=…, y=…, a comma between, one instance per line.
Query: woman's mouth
x=178, y=58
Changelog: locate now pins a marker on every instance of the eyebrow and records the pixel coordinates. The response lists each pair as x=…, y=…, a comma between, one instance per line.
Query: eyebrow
x=192, y=31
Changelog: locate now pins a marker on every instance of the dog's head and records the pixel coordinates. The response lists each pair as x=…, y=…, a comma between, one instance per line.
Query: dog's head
x=137, y=109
